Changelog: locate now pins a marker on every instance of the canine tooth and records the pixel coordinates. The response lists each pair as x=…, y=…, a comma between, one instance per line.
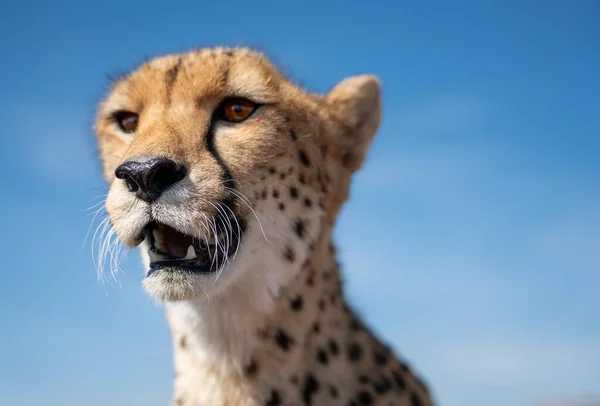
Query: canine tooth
x=153, y=256
x=191, y=253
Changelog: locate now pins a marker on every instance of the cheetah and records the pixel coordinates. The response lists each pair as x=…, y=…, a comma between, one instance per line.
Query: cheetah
x=229, y=178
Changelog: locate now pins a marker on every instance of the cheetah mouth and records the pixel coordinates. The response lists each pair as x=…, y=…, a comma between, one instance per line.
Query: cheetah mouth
x=173, y=251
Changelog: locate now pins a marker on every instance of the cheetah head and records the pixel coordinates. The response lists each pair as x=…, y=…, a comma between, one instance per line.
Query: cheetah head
x=224, y=172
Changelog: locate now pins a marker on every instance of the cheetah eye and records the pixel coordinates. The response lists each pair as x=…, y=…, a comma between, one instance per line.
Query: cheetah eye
x=127, y=121
x=237, y=110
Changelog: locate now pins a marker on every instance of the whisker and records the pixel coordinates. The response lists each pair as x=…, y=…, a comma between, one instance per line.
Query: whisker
x=246, y=201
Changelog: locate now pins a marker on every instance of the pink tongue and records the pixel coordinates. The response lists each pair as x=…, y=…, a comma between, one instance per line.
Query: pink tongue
x=175, y=242
x=176, y=249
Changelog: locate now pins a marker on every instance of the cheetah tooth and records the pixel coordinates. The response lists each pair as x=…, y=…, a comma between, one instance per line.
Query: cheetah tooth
x=191, y=253
x=154, y=257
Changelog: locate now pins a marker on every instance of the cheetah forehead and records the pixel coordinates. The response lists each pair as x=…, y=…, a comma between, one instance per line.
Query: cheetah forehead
x=204, y=76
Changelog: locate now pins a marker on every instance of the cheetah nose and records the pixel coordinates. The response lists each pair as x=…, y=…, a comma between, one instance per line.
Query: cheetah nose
x=149, y=178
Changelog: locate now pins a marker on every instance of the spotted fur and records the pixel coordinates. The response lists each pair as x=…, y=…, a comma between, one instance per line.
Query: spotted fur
x=273, y=327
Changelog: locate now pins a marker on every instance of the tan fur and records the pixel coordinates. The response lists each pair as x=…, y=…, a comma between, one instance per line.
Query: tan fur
x=274, y=327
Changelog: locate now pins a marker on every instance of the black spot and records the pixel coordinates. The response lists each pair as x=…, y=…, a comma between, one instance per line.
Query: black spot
x=365, y=398
x=333, y=298
x=363, y=379
x=283, y=340
x=310, y=281
x=321, y=304
x=294, y=380
x=182, y=342
x=309, y=388
x=355, y=325
x=399, y=379
x=274, y=399
x=282, y=175
x=354, y=352
x=264, y=194
x=289, y=254
x=307, y=202
x=333, y=347
x=281, y=206
x=275, y=193
x=251, y=369
x=382, y=385
x=303, y=158
x=316, y=327
x=414, y=400
x=322, y=356
x=272, y=170
x=293, y=135
x=302, y=179
x=299, y=228
x=296, y=303
x=293, y=192
x=333, y=391
x=380, y=358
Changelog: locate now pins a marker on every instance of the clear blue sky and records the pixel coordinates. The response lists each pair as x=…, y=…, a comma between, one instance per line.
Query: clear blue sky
x=472, y=238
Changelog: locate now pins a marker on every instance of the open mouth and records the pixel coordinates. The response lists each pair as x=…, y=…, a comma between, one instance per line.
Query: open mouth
x=171, y=250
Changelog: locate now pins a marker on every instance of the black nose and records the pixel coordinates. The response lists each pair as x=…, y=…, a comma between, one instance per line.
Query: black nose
x=149, y=178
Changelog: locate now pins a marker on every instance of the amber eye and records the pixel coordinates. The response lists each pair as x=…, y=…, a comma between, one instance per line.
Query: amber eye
x=237, y=110
x=127, y=121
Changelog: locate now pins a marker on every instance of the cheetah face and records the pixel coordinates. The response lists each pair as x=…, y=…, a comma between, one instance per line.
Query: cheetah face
x=222, y=172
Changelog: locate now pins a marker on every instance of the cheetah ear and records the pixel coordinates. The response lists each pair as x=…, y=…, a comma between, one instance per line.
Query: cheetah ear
x=355, y=106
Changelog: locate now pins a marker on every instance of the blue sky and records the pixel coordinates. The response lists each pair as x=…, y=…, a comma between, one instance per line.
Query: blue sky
x=472, y=238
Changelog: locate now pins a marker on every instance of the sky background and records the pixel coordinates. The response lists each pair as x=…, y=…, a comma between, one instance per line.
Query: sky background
x=471, y=241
